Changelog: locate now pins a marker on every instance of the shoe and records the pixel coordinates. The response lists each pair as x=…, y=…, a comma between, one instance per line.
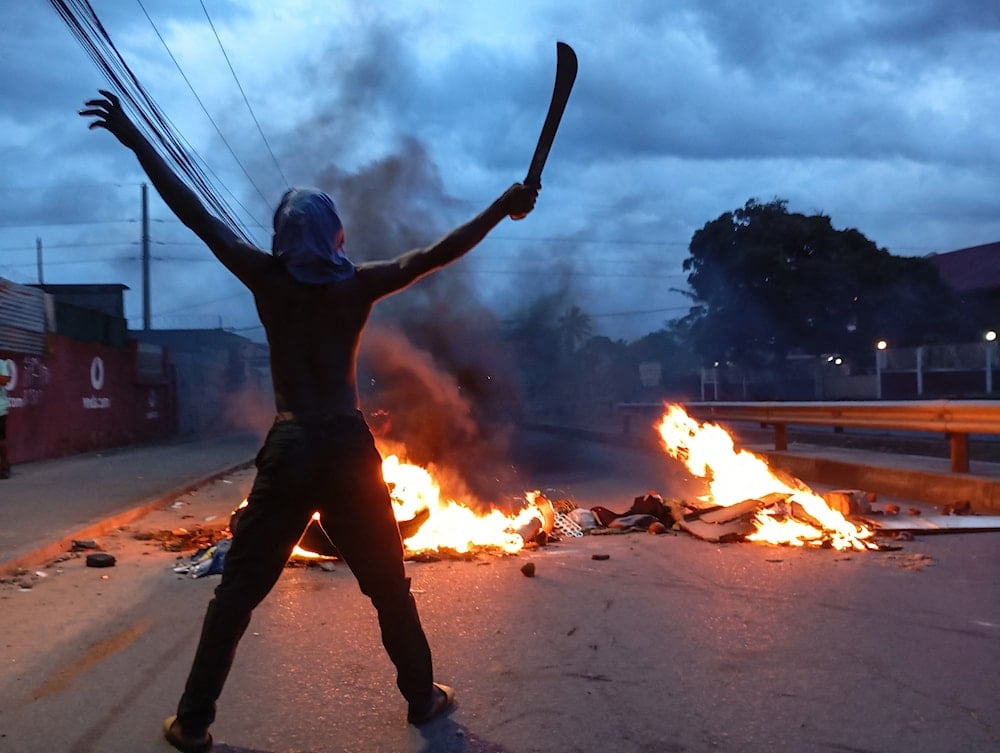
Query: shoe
x=443, y=699
x=185, y=743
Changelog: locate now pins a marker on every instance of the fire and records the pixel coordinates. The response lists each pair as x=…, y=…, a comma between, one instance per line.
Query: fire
x=734, y=476
x=450, y=525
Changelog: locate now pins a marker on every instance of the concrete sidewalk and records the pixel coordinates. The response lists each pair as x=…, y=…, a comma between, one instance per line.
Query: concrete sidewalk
x=47, y=504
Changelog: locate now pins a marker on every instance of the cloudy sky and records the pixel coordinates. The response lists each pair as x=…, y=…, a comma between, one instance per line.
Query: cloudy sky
x=878, y=113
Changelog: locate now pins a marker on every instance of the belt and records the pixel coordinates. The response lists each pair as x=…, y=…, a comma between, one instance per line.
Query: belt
x=287, y=416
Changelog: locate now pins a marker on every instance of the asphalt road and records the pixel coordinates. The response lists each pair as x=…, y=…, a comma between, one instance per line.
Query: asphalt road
x=670, y=645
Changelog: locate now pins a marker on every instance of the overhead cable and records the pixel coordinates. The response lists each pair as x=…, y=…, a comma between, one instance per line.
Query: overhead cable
x=87, y=28
x=245, y=100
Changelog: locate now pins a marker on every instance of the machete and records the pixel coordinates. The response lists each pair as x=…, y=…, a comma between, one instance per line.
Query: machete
x=565, y=77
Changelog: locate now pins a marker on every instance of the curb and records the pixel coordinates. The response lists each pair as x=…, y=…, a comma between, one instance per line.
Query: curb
x=50, y=551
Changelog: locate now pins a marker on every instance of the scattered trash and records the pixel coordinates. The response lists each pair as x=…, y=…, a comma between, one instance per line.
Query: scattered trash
x=206, y=561
x=849, y=501
x=958, y=508
x=81, y=544
x=530, y=530
x=528, y=569
x=181, y=539
x=567, y=526
x=100, y=559
x=582, y=518
x=600, y=556
x=629, y=522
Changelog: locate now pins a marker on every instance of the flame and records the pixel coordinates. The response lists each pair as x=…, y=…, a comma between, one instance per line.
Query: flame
x=451, y=525
x=299, y=551
x=734, y=476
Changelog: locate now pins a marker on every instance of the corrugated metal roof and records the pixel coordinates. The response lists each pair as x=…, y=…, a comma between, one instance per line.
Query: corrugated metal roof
x=23, y=318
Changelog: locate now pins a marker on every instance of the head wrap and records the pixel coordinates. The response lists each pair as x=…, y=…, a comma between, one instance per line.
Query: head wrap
x=309, y=237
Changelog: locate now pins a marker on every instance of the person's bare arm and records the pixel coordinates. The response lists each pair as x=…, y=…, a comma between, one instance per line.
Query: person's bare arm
x=389, y=276
x=245, y=261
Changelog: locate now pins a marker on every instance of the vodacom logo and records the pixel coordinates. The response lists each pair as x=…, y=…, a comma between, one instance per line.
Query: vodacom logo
x=97, y=373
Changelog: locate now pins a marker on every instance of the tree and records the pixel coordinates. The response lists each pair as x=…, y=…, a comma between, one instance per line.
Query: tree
x=671, y=348
x=575, y=327
x=766, y=282
x=534, y=335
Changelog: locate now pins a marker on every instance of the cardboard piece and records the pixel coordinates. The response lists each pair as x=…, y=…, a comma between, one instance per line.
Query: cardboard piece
x=933, y=523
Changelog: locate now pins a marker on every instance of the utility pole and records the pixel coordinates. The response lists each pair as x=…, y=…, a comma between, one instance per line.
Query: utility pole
x=38, y=258
x=145, y=257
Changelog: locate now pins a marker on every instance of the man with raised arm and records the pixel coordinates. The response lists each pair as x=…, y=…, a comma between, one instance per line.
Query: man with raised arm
x=319, y=455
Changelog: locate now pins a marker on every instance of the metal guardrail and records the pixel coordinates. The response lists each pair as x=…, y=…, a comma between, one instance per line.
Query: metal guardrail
x=956, y=419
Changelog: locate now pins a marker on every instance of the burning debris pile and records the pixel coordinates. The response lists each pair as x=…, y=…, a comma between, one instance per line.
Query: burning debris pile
x=746, y=499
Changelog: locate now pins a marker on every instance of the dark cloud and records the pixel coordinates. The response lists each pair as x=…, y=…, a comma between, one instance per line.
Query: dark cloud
x=878, y=113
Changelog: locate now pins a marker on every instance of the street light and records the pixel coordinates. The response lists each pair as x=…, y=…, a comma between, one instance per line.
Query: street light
x=880, y=346
x=991, y=348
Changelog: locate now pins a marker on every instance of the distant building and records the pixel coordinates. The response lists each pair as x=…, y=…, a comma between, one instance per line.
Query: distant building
x=75, y=386
x=89, y=312
x=223, y=379
x=81, y=381
x=974, y=274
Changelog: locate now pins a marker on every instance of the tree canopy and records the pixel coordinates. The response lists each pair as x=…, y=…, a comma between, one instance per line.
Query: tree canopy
x=766, y=282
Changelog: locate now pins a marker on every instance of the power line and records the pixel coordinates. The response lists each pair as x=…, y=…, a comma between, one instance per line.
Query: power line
x=204, y=109
x=64, y=222
x=48, y=246
x=67, y=186
x=638, y=313
x=67, y=262
x=86, y=27
x=582, y=241
x=578, y=273
x=245, y=100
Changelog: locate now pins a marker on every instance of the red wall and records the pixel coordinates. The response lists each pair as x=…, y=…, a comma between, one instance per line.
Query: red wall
x=82, y=397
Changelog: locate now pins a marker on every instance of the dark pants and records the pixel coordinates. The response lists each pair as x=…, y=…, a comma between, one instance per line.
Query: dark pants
x=334, y=468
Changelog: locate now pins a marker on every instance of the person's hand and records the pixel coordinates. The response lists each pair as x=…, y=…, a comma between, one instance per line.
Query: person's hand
x=519, y=200
x=111, y=116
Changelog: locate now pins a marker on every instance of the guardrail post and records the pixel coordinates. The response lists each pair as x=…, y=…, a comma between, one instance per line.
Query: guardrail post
x=780, y=437
x=959, y=452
